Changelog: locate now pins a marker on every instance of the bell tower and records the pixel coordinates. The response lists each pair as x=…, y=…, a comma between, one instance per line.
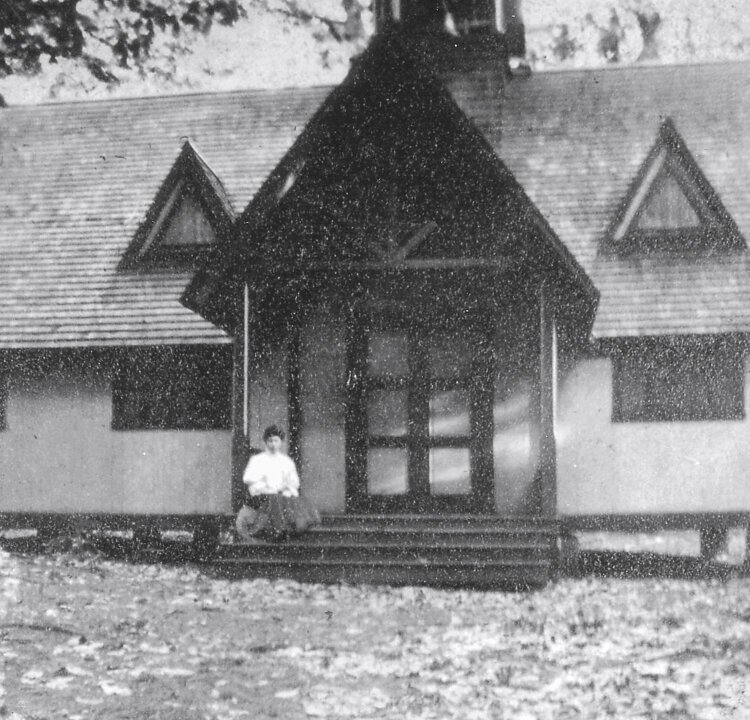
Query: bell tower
x=469, y=42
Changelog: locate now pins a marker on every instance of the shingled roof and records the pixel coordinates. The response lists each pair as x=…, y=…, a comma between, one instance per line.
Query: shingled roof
x=576, y=141
x=79, y=178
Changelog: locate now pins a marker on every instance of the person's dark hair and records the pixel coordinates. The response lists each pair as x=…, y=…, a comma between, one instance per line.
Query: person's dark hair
x=272, y=431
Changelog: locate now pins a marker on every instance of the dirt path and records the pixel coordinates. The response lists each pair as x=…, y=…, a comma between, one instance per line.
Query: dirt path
x=83, y=637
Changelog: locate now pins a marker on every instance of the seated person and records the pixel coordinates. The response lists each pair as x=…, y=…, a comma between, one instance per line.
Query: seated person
x=272, y=480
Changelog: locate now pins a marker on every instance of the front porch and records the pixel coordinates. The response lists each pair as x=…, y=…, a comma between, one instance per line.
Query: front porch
x=399, y=306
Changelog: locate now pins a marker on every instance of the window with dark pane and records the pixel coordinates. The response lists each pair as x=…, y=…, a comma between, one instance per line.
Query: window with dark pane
x=173, y=388
x=679, y=382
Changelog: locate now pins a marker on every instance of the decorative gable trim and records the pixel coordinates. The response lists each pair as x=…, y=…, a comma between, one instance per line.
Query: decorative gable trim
x=394, y=251
x=191, y=186
x=697, y=221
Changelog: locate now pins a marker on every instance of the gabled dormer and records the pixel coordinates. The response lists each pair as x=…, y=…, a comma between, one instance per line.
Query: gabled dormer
x=190, y=213
x=671, y=208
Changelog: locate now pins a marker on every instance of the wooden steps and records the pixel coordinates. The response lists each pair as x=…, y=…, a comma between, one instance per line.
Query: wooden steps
x=449, y=551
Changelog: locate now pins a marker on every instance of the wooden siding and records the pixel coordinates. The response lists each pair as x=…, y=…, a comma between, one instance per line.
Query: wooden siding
x=607, y=468
x=58, y=453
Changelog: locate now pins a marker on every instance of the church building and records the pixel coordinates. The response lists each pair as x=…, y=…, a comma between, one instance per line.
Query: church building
x=491, y=306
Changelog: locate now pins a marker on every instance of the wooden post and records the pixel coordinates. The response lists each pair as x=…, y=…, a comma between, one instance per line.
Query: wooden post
x=240, y=403
x=246, y=360
x=547, y=398
x=294, y=394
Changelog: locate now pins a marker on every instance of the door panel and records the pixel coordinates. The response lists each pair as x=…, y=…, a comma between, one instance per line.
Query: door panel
x=388, y=354
x=450, y=413
x=387, y=471
x=450, y=471
x=388, y=412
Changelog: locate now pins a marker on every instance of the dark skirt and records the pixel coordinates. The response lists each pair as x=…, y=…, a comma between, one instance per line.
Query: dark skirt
x=276, y=517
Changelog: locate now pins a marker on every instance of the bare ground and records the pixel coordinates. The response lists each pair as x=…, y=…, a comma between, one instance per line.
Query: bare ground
x=82, y=636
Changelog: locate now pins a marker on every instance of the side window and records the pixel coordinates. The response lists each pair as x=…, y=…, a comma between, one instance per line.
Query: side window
x=653, y=383
x=173, y=388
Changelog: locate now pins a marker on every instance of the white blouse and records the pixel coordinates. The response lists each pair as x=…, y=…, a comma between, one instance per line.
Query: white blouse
x=271, y=474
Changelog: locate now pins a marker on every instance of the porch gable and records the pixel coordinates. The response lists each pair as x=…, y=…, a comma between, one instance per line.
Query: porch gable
x=389, y=170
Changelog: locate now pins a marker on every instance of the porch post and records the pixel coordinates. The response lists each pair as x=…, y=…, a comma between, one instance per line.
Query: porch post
x=240, y=403
x=245, y=359
x=547, y=401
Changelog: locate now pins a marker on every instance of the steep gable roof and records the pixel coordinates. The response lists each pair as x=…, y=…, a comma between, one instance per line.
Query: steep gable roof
x=389, y=168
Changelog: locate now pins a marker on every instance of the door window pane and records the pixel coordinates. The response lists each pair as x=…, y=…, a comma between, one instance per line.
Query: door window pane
x=449, y=354
x=388, y=354
x=387, y=470
x=449, y=413
x=450, y=471
x=388, y=412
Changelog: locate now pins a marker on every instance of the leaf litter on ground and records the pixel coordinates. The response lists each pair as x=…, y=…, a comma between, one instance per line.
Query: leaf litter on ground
x=128, y=640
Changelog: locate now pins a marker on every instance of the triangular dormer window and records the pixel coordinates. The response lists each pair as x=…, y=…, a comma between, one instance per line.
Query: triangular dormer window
x=190, y=214
x=671, y=207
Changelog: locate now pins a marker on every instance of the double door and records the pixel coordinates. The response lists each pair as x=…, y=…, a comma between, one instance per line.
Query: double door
x=420, y=419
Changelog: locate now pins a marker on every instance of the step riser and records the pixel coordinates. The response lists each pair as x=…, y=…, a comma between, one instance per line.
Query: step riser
x=438, y=526
x=513, y=579
x=383, y=537
x=434, y=555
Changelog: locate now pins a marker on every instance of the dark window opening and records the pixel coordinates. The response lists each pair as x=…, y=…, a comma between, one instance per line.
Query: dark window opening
x=466, y=16
x=188, y=225
x=667, y=208
x=471, y=16
x=173, y=388
x=678, y=383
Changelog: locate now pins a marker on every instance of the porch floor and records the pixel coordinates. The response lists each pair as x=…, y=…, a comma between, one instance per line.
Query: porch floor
x=437, y=550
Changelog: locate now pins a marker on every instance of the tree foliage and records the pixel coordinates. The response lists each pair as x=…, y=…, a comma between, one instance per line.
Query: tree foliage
x=57, y=48
x=107, y=35
x=33, y=29
x=597, y=32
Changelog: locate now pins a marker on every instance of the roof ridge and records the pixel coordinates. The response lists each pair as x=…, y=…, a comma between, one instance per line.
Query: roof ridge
x=636, y=66
x=177, y=96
